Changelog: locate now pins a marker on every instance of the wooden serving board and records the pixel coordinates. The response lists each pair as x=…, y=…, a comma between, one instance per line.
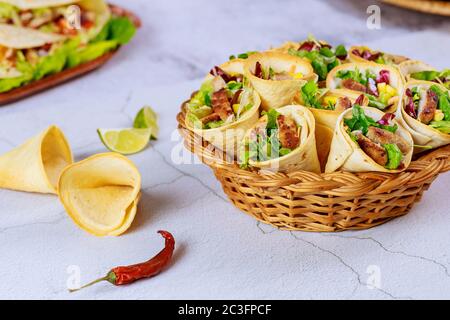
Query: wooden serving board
x=68, y=74
x=437, y=7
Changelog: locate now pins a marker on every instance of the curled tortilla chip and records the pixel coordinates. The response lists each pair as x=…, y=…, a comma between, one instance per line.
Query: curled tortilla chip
x=36, y=165
x=345, y=154
x=278, y=93
x=101, y=193
x=304, y=157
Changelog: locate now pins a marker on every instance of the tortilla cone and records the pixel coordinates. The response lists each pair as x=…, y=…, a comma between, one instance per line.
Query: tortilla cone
x=302, y=158
x=412, y=66
x=36, y=165
x=422, y=134
x=329, y=118
x=324, y=137
x=396, y=79
x=100, y=7
x=232, y=67
x=345, y=154
x=396, y=59
x=228, y=136
x=101, y=193
x=276, y=94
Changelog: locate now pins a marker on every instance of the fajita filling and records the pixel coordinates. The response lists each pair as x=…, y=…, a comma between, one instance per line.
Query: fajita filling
x=314, y=97
x=273, y=74
x=275, y=136
x=378, y=139
x=430, y=106
x=377, y=87
x=51, y=19
x=22, y=66
x=220, y=101
x=323, y=57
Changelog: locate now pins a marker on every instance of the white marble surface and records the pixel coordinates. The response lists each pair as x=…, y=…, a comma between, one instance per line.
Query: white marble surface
x=221, y=252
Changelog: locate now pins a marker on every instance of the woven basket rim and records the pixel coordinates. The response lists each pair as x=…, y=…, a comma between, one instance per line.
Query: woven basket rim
x=431, y=163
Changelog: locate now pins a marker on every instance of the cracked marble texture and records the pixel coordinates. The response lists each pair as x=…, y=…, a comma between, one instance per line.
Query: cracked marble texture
x=221, y=252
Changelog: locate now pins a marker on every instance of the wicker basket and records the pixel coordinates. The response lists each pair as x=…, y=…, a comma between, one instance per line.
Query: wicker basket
x=322, y=203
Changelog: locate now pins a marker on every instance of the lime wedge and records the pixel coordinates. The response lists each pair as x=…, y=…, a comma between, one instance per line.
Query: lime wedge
x=147, y=119
x=125, y=141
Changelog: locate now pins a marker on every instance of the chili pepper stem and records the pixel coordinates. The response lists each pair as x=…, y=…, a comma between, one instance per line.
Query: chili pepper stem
x=110, y=277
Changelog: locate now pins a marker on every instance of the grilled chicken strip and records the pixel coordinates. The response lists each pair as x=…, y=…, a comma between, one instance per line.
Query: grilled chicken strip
x=342, y=104
x=221, y=105
x=354, y=85
x=372, y=149
x=288, y=132
x=211, y=117
x=427, y=107
x=382, y=136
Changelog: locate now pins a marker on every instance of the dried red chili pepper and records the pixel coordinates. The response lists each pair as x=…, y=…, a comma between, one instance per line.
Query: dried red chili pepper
x=128, y=274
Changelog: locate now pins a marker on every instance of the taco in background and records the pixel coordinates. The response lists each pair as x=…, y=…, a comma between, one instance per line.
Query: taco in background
x=382, y=84
x=86, y=20
x=418, y=70
x=425, y=113
x=282, y=140
x=365, y=54
x=223, y=109
x=277, y=77
x=322, y=56
x=23, y=53
x=27, y=55
x=367, y=139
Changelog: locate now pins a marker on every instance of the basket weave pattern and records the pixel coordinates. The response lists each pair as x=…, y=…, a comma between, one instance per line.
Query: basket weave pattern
x=320, y=202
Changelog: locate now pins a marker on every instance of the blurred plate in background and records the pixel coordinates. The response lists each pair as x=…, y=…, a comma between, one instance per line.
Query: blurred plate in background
x=428, y=6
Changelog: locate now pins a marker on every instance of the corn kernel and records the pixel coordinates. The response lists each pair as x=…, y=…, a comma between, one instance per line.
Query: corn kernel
x=439, y=115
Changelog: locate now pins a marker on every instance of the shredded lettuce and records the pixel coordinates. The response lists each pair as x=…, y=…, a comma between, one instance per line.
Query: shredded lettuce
x=360, y=121
x=309, y=95
x=443, y=126
x=394, y=156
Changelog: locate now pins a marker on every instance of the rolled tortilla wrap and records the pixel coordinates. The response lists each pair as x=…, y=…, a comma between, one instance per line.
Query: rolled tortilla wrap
x=98, y=7
x=396, y=82
x=101, y=193
x=365, y=54
x=228, y=136
x=425, y=137
x=36, y=165
x=278, y=93
x=346, y=154
x=413, y=66
x=304, y=157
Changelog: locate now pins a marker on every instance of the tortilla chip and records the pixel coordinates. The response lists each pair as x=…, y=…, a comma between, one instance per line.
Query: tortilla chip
x=36, y=165
x=101, y=193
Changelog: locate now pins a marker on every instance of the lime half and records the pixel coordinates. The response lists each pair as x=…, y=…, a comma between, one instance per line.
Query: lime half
x=147, y=119
x=125, y=141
